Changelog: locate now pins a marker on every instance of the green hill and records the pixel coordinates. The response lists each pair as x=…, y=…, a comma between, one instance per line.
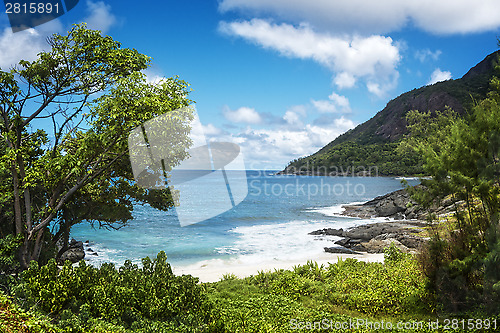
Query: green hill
x=370, y=148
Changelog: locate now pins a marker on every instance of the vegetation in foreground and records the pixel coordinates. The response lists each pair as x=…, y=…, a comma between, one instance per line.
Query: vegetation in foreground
x=151, y=299
x=462, y=156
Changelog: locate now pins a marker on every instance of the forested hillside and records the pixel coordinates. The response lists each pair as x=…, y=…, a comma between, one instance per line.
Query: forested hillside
x=370, y=148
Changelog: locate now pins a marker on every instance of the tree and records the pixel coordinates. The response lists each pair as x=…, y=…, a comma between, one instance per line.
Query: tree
x=462, y=156
x=92, y=92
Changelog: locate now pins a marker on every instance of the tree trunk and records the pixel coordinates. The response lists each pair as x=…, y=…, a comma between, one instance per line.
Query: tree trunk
x=37, y=248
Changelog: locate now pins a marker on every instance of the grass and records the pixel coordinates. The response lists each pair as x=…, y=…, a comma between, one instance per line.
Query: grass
x=346, y=291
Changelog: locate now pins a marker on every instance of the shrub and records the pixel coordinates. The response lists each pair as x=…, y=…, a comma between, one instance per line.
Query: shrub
x=311, y=270
x=377, y=288
x=393, y=255
x=284, y=283
x=9, y=265
x=150, y=295
x=13, y=319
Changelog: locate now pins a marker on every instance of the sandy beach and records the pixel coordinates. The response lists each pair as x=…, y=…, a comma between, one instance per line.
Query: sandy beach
x=214, y=270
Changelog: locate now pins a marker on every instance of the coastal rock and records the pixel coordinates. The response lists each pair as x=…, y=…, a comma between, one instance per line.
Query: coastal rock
x=373, y=238
x=388, y=208
x=340, y=250
x=360, y=211
x=73, y=255
x=378, y=245
x=397, y=205
x=328, y=232
x=343, y=242
x=408, y=240
x=74, y=243
x=369, y=231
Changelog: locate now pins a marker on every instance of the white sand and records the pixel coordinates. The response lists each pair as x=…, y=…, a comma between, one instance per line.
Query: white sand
x=213, y=270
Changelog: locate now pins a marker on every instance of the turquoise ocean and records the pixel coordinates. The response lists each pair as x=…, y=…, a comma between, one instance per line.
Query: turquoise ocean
x=271, y=224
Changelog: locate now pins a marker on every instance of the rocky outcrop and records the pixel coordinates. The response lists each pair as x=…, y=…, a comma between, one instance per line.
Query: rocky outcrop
x=74, y=253
x=373, y=238
x=88, y=250
x=340, y=250
x=397, y=205
x=328, y=232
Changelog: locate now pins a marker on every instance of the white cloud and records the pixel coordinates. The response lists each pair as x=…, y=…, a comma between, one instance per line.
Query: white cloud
x=335, y=104
x=324, y=106
x=274, y=147
x=99, y=16
x=344, y=80
x=28, y=43
x=292, y=118
x=341, y=101
x=154, y=78
x=374, y=58
x=322, y=135
x=375, y=88
x=242, y=115
x=21, y=45
x=299, y=109
x=379, y=17
x=153, y=75
x=211, y=130
x=439, y=75
x=423, y=55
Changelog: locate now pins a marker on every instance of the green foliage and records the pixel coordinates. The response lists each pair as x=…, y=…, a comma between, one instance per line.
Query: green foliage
x=463, y=157
x=131, y=297
x=8, y=251
x=393, y=255
x=9, y=265
x=344, y=291
x=375, y=288
x=285, y=283
x=16, y=320
x=279, y=301
x=311, y=270
x=83, y=81
x=262, y=303
x=353, y=159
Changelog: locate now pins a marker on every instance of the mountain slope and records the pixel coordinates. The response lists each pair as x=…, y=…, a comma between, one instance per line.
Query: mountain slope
x=370, y=147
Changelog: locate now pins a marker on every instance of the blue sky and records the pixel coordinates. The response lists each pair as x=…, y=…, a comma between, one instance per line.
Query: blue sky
x=283, y=78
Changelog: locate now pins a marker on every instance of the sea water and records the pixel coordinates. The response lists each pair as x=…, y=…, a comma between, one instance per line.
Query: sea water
x=271, y=224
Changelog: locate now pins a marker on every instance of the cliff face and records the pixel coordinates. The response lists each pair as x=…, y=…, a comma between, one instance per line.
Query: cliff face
x=389, y=124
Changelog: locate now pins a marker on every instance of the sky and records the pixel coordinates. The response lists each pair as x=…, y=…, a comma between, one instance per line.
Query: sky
x=283, y=78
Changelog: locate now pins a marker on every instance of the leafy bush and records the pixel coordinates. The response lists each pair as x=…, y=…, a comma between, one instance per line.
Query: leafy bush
x=256, y=304
x=311, y=270
x=129, y=296
x=284, y=283
x=9, y=265
x=312, y=294
x=15, y=320
x=377, y=288
x=393, y=255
